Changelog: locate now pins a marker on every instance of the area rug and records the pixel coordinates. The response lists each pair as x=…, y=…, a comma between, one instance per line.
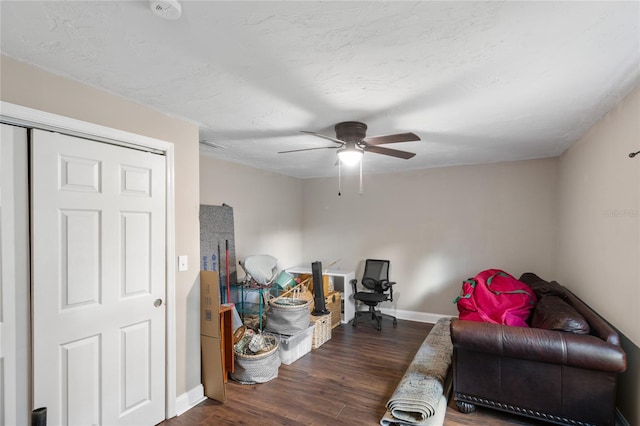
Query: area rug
x=421, y=396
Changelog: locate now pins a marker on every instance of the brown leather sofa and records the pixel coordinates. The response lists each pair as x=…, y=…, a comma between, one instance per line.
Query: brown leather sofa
x=553, y=375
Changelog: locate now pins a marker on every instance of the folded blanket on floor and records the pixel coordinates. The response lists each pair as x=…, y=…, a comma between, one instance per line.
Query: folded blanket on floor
x=418, y=395
x=436, y=420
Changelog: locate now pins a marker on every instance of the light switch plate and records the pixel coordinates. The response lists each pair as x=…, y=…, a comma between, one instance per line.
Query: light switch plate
x=183, y=263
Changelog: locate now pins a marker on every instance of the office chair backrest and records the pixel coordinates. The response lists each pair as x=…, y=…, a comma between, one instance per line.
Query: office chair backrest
x=376, y=275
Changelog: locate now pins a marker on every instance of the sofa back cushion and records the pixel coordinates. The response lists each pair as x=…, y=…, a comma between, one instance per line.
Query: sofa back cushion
x=541, y=287
x=599, y=327
x=553, y=313
x=544, y=288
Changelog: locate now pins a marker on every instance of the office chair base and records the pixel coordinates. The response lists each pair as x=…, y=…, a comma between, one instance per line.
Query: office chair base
x=375, y=316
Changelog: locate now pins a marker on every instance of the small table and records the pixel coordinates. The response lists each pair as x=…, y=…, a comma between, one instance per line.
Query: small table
x=341, y=282
x=226, y=339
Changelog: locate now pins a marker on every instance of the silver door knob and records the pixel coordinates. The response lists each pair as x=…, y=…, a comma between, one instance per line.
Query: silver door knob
x=157, y=303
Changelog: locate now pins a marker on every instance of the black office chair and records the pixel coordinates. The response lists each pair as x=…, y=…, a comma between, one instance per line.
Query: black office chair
x=378, y=289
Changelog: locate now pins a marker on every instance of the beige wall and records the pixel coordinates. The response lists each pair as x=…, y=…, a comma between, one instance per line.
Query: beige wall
x=437, y=226
x=599, y=214
x=599, y=230
x=441, y=227
x=267, y=208
x=24, y=85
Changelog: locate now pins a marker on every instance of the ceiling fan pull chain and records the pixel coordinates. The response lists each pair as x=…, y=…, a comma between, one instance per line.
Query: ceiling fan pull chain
x=361, y=177
x=339, y=178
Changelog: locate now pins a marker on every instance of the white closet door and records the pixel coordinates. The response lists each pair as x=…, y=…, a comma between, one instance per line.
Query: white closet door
x=14, y=277
x=98, y=238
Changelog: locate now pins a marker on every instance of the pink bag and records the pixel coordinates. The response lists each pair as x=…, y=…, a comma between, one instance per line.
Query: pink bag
x=496, y=297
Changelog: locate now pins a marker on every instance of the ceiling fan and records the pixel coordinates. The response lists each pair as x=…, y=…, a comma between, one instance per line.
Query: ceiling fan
x=353, y=142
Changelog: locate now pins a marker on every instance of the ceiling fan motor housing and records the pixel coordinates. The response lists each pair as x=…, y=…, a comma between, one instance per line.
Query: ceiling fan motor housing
x=351, y=131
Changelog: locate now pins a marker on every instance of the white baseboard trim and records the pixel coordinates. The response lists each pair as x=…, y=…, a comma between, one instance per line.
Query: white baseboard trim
x=414, y=316
x=190, y=399
x=620, y=420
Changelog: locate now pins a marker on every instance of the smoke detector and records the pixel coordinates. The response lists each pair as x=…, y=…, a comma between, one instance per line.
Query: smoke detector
x=167, y=9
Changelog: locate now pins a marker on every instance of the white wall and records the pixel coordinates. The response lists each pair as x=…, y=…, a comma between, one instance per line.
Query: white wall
x=267, y=208
x=437, y=226
x=599, y=232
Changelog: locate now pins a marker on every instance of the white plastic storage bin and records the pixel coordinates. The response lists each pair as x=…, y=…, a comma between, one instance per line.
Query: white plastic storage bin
x=294, y=347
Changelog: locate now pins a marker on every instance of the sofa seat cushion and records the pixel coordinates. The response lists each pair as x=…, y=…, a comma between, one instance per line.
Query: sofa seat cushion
x=553, y=313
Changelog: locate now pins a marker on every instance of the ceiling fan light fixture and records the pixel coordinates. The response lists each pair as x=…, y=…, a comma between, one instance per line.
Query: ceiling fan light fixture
x=350, y=156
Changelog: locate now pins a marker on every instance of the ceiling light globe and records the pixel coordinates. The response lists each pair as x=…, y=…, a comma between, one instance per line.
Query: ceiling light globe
x=350, y=157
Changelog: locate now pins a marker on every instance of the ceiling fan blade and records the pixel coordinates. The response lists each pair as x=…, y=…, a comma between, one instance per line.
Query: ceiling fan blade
x=398, y=137
x=320, y=135
x=306, y=149
x=388, y=151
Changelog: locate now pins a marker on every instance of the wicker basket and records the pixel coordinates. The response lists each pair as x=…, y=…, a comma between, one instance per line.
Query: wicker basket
x=333, y=303
x=259, y=368
x=287, y=315
x=321, y=331
x=300, y=291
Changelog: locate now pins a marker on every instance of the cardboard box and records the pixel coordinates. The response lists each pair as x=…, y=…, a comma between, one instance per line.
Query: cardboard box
x=212, y=368
x=210, y=343
x=209, y=304
x=326, y=284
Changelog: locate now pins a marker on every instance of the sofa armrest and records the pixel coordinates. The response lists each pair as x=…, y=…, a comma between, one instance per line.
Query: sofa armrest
x=555, y=347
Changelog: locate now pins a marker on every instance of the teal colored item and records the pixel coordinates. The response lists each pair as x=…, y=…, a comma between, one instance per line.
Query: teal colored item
x=284, y=279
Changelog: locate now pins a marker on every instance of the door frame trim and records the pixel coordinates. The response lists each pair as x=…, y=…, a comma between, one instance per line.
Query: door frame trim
x=15, y=331
x=29, y=117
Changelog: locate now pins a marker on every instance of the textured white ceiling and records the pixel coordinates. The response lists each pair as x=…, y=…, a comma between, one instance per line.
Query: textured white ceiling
x=477, y=81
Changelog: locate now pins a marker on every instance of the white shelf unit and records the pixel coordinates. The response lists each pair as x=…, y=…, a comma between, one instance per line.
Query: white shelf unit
x=341, y=282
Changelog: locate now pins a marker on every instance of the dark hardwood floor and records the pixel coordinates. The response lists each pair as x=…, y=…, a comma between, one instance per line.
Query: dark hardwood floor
x=347, y=381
